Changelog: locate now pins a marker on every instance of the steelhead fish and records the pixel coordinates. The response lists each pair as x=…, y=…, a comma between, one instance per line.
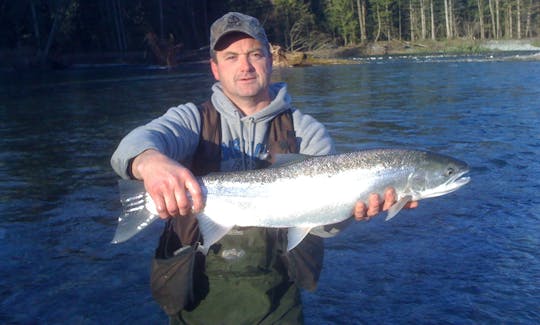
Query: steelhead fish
x=302, y=193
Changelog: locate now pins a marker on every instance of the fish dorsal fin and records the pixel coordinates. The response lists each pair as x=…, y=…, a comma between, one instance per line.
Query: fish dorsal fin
x=211, y=232
x=295, y=236
x=284, y=159
x=394, y=209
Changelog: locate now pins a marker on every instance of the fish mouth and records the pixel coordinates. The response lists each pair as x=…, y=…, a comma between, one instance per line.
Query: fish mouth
x=459, y=180
x=449, y=186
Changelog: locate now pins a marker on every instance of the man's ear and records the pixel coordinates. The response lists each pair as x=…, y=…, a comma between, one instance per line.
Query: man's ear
x=213, y=66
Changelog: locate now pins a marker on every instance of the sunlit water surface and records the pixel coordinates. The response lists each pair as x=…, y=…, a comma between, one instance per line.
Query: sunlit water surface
x=470, y=257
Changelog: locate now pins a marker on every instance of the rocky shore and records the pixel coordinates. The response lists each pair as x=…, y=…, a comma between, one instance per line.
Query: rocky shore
x=344, y=55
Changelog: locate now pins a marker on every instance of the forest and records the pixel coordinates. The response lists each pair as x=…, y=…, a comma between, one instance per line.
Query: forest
x=49, y=28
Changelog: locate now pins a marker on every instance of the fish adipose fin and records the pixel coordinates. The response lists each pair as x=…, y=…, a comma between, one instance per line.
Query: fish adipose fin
x=394, y=209
x=211, y=231
x=295, y=236
x=135, y=216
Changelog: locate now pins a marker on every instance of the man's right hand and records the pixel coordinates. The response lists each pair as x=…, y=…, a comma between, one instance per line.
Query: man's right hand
x=168, y=183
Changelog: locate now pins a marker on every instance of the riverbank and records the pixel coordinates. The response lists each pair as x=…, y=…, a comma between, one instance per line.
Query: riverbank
x=459, y=46
x=23, y=59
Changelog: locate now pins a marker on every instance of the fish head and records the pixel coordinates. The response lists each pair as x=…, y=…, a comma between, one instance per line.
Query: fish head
x=437, y=175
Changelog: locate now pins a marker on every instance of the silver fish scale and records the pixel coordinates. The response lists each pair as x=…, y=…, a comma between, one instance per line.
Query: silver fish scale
x=331, y=164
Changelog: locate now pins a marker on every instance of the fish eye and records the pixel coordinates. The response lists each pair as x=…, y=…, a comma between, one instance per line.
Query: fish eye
x=449, y=171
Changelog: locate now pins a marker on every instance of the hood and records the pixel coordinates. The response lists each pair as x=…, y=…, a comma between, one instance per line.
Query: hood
x=281, y=101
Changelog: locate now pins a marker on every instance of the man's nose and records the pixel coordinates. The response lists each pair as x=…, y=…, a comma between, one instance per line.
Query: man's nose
x=245, y=63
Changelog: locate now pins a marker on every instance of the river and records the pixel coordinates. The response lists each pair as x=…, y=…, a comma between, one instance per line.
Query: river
x=469, y=257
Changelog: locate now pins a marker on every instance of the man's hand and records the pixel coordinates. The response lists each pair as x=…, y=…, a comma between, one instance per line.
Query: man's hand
x=375, y=205
x=168, y=183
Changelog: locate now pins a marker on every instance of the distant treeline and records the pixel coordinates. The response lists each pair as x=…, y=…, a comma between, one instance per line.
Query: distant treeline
x=81, y=26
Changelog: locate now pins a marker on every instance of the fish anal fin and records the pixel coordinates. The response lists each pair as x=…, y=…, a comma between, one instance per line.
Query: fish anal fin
x=296, y=235
x=394, y=209
x=211, y=231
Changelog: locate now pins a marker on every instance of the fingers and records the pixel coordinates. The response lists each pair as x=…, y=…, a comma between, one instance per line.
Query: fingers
x=412, y=205
x=160, y=205
x=390, y=198
x=172, y=199
x=360, y=211
x=375, y=205
x=195, y=191
x=167, y=199
x=183, y=205
x=170, y=185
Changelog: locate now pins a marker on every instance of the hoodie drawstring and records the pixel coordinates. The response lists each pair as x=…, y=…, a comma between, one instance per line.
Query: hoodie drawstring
x=247, y=148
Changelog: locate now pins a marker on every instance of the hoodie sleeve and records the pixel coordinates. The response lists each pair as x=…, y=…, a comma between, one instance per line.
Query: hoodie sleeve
x=175, y=134
x=314, y=139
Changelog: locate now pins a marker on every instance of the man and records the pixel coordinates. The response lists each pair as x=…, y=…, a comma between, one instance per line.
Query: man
x=248, y=277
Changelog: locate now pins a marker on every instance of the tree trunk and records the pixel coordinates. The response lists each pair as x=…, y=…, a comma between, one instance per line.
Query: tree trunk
x=423, y=19
x=497, y=19
x=509, y=22
x=387, y=22
x=528, y=32
x=492, y=15
x=361, y=8
x=58, y=18
x=432, y=20
x=518, y=18
x=481, y=18
x=400, y=30
x=379, y=27
x=119, y=26
x=412, y=18
x=446, y=19
x=451, y=18
x=36, y=27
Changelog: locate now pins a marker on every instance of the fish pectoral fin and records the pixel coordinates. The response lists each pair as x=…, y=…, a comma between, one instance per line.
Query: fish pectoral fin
x=394, y=209
x=211, y=231
x=135, y=215
x=295, y=236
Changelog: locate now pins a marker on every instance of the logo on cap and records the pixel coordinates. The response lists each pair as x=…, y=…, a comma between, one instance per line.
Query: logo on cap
x=233, y=21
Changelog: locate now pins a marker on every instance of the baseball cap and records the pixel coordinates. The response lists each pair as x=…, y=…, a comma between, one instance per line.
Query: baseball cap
x=237, y=22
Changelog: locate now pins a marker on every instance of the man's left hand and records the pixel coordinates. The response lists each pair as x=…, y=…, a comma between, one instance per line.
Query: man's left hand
x=376, y=205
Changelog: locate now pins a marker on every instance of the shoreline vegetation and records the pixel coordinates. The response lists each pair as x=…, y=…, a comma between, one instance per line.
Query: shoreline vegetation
x=25, y=59
x=346, y=55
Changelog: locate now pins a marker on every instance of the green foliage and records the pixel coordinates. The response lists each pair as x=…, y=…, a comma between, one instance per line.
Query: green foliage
x=65, y=26
x=294, y=25
x=342, y=20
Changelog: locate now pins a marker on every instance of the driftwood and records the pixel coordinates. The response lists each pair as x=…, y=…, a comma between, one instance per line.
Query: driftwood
x=164, y=52
x=281, y=58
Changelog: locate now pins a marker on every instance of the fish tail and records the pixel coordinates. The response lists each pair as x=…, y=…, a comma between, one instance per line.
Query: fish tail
x=135, y=215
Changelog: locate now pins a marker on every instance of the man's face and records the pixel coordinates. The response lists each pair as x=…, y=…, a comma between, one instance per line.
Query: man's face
x=243, y=67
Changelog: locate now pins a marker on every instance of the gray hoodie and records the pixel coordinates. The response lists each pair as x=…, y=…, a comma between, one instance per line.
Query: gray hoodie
x=176, y=133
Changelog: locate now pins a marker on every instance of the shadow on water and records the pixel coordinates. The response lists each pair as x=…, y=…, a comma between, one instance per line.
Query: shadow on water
x=468, y=257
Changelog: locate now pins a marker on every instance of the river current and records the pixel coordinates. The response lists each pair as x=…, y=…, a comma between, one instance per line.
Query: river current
x=472, y=256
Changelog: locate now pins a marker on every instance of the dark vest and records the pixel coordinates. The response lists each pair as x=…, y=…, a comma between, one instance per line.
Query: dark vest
x=281, y=139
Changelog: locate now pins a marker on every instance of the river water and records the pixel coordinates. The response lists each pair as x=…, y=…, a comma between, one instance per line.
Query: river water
x=469, y=257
